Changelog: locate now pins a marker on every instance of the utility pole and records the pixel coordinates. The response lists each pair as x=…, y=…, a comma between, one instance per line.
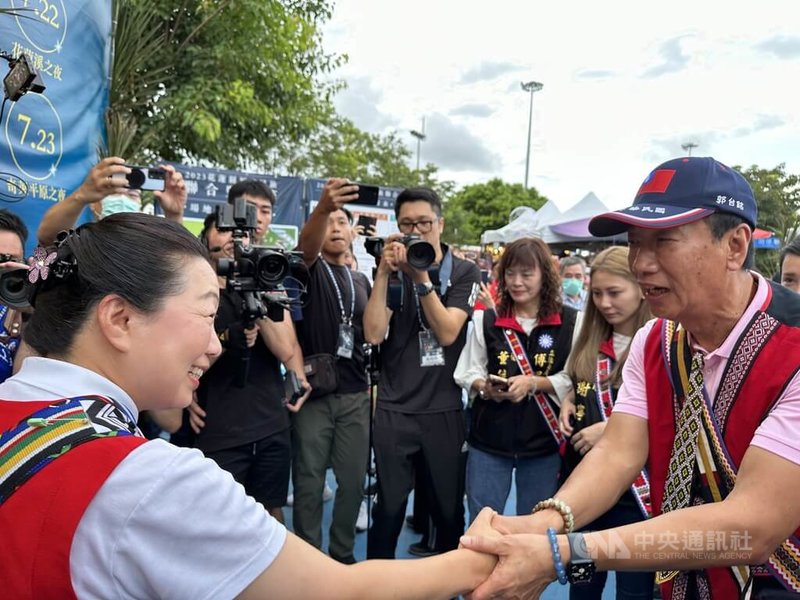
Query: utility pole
x=420, y=135
x=530, y=86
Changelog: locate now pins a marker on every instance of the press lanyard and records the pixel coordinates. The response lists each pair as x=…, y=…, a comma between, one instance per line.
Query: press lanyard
x=345, y=318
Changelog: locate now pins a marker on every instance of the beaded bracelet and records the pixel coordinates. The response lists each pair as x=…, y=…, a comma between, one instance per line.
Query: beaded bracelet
x=561, y=507
x=561, y=572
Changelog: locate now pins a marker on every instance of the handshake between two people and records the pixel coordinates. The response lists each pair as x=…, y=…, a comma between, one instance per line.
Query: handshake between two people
x=517, y=559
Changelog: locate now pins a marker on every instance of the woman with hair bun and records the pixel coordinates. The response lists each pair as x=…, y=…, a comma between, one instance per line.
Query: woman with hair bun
x=124, y=322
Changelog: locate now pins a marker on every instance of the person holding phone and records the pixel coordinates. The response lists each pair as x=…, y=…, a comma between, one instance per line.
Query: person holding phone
x=106, y=191
x=615, y=311
x=512, y=367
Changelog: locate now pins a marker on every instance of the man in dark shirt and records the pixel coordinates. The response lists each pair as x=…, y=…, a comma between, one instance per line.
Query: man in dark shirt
x=246, y=427
x=333, y=427
x=419, y=412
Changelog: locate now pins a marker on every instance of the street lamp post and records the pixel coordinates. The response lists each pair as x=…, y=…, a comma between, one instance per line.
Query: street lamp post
x=530, y=86
x=420, y=135
x=688, y=147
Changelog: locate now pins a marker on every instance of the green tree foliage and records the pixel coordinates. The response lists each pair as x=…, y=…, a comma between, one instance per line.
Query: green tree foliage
x=227, y=82
x=478, y=207
x=340, y=149
x=778, y=198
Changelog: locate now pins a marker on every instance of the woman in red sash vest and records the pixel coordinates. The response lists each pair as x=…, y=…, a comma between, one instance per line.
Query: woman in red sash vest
x=514, y=419
x=123, y=322
x=615, y=312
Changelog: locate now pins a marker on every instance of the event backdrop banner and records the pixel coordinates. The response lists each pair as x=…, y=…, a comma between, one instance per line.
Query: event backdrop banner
x=208, y=188
x=49, y=141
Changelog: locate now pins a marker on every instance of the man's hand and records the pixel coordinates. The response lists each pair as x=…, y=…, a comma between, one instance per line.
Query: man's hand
x=393, y=256
x=251, y=335
x=336, y=193
x=197, y=416
x=524, y=568
x=103, y=180
x=587, y=438
x=173, y=199
x=302, y=399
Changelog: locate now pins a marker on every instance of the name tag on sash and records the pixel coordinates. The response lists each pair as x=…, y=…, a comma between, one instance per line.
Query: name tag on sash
x=431, y=354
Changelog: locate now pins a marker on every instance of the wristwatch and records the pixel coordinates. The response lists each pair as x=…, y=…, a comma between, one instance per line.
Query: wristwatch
x=581, y=567
x=423, y=289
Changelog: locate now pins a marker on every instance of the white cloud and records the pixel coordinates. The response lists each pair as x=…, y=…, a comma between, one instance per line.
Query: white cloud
x=719, y=76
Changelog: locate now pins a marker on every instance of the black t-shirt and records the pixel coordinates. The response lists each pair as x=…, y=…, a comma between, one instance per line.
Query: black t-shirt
x=240, y=415
x=322, y=315
x=404, y=385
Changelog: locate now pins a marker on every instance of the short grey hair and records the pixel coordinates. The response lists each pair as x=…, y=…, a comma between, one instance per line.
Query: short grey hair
x=569, y=261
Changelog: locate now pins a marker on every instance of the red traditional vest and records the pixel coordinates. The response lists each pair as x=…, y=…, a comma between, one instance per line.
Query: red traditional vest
x=38, y=519
x=754, y=378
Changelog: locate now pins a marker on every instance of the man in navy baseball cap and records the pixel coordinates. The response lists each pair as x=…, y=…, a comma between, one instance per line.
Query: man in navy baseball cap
x=710, y=405
x=680, y=191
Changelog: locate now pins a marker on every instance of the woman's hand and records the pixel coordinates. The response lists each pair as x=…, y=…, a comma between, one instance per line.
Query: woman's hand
x=565, y=415
x=519, y=387
x=587, y=438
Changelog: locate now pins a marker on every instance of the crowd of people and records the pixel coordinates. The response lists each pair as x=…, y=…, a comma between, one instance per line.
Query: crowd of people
x=644, y=402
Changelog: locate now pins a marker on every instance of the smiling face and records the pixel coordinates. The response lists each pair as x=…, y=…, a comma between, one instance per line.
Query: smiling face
x=523, y=283
x=173, y=347
x=681, y=271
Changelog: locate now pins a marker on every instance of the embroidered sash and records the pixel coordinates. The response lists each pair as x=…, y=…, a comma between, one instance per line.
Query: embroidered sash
x=54, y=430
x=539, y=397
x=605, y=401
x=714, y=465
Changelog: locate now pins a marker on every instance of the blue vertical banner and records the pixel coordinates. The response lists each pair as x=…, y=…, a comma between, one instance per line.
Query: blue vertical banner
x=49, y=141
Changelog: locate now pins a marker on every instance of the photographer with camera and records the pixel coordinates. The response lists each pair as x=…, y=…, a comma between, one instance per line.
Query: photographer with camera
x=240, y=415
x=13, y=234
x=333, y=427
x=107, y=190
x=421, y=334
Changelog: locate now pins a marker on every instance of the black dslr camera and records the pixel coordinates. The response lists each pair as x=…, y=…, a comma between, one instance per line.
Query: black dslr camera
x=257, y=272
x=420, y=253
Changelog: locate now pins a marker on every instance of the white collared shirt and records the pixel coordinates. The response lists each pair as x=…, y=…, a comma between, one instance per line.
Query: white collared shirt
x=168, y=522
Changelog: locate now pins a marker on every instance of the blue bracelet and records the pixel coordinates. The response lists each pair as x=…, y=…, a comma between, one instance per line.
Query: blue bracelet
x=561, y=572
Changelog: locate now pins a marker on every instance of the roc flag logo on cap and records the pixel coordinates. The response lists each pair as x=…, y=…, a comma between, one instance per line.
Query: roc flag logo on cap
x=657, y=182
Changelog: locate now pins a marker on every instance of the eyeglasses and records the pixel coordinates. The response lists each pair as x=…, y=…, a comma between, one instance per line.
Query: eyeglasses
x=423, y=226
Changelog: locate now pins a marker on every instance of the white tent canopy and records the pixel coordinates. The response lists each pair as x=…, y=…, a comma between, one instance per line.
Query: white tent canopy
x=538, y=223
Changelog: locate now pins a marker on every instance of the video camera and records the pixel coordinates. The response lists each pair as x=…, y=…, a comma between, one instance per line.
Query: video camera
x=420, y=253
x=257, y=272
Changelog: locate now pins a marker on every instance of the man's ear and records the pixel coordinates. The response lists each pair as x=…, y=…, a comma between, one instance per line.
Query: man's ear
x=739, y=240
x=115, y=320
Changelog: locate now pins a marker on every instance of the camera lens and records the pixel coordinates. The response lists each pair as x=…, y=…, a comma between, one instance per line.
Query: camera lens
x=14, y=289
x=420, y=254
x=271, y=268
x=135, y=179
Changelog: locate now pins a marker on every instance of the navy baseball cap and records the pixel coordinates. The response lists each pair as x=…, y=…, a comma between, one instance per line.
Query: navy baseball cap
x=680, y=191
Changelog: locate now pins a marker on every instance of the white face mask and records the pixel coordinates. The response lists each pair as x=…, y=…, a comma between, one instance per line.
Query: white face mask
x=117, y=203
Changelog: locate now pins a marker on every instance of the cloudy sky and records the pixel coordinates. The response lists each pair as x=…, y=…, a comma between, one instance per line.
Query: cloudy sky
x=625, y=85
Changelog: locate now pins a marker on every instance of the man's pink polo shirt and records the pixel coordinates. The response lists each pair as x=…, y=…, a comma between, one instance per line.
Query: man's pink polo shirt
x=780, y=431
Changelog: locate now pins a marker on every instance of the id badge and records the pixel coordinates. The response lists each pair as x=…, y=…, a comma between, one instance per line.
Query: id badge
x=431, y=354
x=347, y=341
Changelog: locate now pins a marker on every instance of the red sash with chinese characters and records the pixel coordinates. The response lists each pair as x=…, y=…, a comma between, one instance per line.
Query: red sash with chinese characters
x=605, y=401
x=539, y=397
